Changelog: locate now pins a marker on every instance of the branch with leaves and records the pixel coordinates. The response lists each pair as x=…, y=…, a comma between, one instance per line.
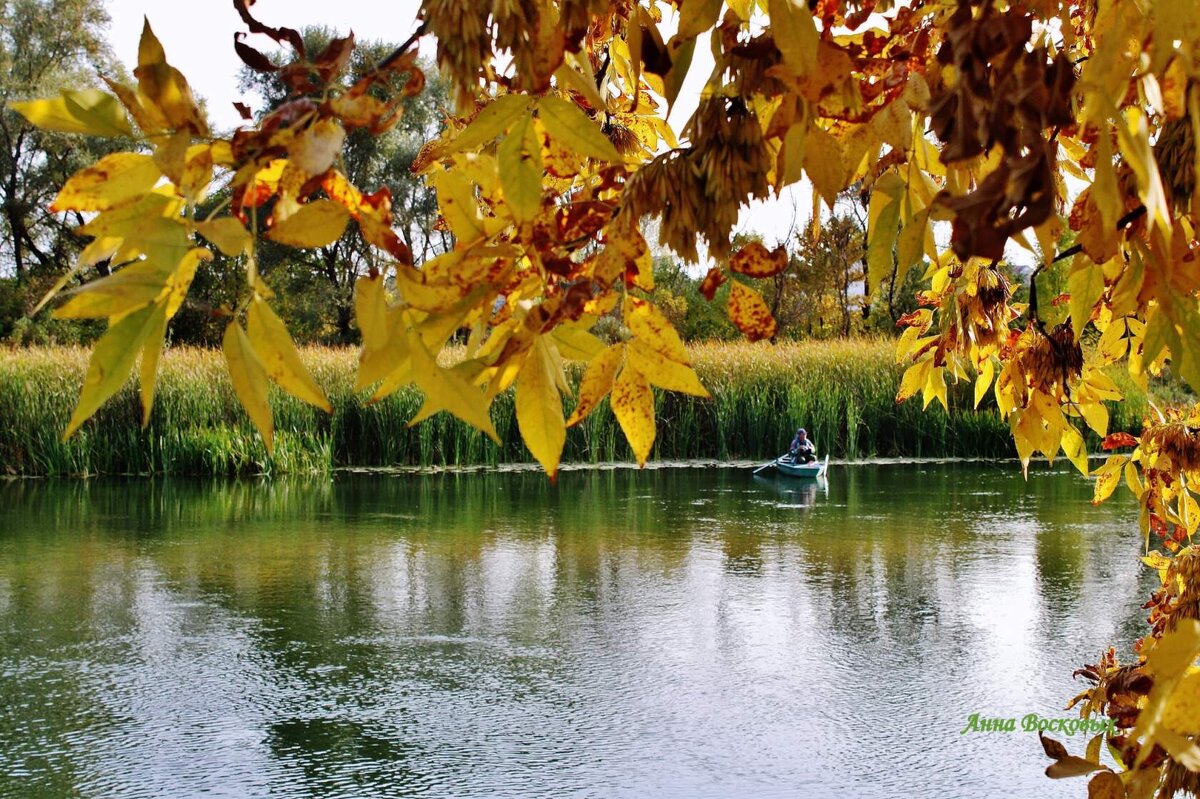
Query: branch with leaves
x=958, y=111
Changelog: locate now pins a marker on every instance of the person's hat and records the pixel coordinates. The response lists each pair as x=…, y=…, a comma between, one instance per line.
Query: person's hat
x=801, y=431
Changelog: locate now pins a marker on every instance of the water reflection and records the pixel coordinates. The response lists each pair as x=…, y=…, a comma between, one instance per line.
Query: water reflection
x=670, y=633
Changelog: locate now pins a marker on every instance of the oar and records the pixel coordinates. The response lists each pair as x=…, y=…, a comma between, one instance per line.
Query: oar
x=765, y=465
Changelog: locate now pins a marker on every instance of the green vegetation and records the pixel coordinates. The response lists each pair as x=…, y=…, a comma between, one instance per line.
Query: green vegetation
x=842, y=391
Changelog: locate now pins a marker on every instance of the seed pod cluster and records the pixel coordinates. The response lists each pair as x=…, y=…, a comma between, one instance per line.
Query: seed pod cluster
x=1175, y=152
x=1177, y=440
x=1050, y=362
x=464, y=42
x=700, y=190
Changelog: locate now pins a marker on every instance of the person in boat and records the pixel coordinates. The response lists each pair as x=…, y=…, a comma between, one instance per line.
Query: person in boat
x=802, y=449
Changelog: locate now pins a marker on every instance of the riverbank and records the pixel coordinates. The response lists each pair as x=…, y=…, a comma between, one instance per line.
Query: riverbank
x=842, y=391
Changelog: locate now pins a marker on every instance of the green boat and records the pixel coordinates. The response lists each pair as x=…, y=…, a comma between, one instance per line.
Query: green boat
x=809, y=471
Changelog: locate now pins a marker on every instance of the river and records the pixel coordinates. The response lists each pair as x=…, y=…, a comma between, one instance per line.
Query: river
x=685, y=632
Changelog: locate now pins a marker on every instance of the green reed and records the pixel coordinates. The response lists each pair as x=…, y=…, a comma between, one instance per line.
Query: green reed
x=842, y=391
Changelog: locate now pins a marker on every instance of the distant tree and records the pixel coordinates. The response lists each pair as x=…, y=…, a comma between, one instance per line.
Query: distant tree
x=45, y=46
x=677, y=293
x=824, y=278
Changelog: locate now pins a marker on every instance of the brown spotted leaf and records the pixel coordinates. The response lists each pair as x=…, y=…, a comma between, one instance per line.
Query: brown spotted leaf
x=755, y=260
x=633, y=404
x=712, y=282
x=750, y=313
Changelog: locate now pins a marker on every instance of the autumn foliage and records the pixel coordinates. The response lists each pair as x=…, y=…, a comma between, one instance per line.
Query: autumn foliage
x=1009, y=121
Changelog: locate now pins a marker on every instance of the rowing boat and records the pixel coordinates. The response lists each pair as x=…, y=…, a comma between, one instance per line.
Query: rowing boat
x=805, y=470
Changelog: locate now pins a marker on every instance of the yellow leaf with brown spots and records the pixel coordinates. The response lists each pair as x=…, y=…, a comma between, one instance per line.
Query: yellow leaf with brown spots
x=107, y=183
x=597, y=381
x=665, y=372
x=318, y=224
x=273, y=344
x=749, y=312
x=755, y=260
x=539, y=407
x=249, y=380
x=633, y=404
x=651, y=326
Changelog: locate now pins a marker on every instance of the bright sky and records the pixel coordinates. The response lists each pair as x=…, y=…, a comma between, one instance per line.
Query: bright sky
x=201, y=46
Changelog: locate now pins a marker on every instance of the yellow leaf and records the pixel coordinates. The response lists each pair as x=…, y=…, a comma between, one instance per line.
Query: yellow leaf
x=230, y=236
x=1113, y=344
x=447, y=390
x=1189, y=512
x=197, y=172
x=791, y=164
x=910, y=245
x=1157, y=561
x=164, y=88
x=750, y=313
x=1133, y=480
x=171, y=156
x=520, y=163
x=151, y=350
x=96, y=251
x=982, y=383
x=597, y=381
x=273, y=344
x=1096, y=416
x=663, y=371
x=396, y=364
x=913, y=381
x=317, y=224
x=824, y=162
x=1085, y=283
x=108, y=182
x=883, y=228
x=1133, y=136
x=576, y=72
x=1172, y=658
x=90, y=111
x=935, y=388
x=249, y=381
x=370, y=311
x=111, y=362
x=651, y=326
x=180, y=279
x=795, y=34
x=539, y=408
x=380, y=352
x=129, y=289
x=1182, y=713
x=743, y=8
x=492, y=121
x=456, y=200
x=1157, y=336
x=1108, y=477
x=1024, y=425
x=150, y=224
x=567, y=123
x=1075, y=448
x=576, y=344
x=755, y=260
x=697, y=16
x=633, y=404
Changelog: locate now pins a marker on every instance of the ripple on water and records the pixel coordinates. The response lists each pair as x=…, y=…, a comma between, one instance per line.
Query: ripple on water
x=689, y=634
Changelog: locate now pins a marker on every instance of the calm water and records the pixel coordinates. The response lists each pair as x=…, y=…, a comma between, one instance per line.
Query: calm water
x=676, y=633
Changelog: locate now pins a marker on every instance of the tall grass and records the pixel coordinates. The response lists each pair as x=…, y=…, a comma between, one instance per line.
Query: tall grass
x=842, y=391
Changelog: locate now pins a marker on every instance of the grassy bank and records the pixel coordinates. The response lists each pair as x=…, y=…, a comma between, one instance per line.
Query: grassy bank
x=842, y=391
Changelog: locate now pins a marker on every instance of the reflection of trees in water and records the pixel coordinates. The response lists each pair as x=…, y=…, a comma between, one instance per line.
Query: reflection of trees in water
x=404, y=590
